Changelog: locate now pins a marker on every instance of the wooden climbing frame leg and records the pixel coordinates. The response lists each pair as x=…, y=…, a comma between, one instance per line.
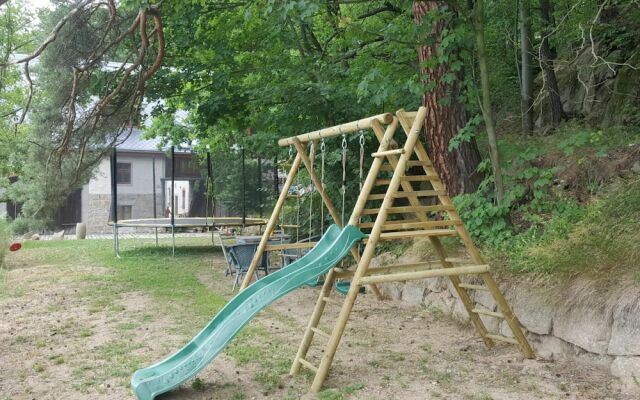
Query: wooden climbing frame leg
x=314, y=321
x=464, y=296
x=509, y=316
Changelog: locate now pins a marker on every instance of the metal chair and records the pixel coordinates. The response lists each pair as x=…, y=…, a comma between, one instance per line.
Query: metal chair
x=291, y=255
x=242, y=255
x=226, y=242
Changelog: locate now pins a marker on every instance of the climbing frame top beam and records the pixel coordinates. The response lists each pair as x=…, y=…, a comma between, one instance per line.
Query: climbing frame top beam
x=338, y=130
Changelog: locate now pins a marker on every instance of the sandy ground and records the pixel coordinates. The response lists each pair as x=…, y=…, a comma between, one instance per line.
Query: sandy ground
x=59, y=342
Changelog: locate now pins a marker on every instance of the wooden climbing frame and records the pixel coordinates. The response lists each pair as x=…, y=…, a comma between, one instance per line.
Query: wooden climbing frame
x=426, y=211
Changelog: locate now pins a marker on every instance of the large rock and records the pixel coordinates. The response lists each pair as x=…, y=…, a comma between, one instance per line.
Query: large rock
x=392, y=290
x=438, y=284
x=485, y=299
x=58, y=235
x=439, y=301
x=627, y=369
x=532, y=307
x=584, y=323
x=625, y=331
x=550, y=347
x=413, y=293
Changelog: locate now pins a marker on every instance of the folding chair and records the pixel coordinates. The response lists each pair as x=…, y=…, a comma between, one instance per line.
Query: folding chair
x=226, y=242
x=242, y=255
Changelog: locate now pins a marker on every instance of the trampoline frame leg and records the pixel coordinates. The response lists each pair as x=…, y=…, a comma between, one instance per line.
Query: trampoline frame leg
x=173, y=241
x=116, y=241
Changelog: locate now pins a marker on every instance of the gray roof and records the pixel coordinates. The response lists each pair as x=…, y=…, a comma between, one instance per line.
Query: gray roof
x=136, y=143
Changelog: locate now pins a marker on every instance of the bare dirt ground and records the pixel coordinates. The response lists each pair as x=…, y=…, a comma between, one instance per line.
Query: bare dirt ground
x=66, y=333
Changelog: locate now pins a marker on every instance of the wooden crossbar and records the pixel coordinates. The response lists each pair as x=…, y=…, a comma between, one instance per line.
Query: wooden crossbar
x=338, y=130
x=286, y=246
x=431, y=273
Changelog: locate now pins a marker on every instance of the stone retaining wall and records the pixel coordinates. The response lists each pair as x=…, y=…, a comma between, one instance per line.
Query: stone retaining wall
x=577, y=320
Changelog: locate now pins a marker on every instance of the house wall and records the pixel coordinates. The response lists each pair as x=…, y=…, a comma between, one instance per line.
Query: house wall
x=138, y=194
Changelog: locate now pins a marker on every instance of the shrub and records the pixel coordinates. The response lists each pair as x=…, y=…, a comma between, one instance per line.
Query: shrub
x=22, y=225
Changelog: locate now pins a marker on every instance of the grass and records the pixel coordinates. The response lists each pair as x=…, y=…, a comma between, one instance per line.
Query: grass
x=172, y=283
x=604, y=240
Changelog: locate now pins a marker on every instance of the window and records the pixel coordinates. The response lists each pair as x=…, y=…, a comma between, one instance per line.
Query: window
x=124, y=212
x=123, y=173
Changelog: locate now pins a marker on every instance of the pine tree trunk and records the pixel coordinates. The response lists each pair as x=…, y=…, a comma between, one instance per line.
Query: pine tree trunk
x=526, y=77
x=547, y=57
x=487, y=114
x=445, y=113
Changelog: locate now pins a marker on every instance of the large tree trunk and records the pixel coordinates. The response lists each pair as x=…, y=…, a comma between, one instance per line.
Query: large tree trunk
x=547, y=55
x=445, y=113
x=526, y=75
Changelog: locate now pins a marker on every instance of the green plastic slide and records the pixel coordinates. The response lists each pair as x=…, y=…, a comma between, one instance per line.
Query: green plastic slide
x=188, y=361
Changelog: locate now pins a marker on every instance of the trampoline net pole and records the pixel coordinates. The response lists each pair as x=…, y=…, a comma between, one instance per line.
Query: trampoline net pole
x=173, y=209
x=155, y=206
x=114, y=200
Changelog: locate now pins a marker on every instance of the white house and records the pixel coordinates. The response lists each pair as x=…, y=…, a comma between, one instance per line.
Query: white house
x=137, y=158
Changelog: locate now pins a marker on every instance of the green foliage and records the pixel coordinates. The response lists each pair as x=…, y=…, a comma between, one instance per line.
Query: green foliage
x=22, y=225
x=597, y=239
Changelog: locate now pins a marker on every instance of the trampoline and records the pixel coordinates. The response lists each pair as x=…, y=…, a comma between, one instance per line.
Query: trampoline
x=190, y=222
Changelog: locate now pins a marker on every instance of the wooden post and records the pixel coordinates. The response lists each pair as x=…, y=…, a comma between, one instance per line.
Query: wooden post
x=327, y=287
x=367, y=255
x=445, y=200
x=273, y=220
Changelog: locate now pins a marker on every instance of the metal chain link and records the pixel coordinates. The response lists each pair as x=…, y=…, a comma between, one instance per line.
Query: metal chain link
x=344, y=174
x=322, y=153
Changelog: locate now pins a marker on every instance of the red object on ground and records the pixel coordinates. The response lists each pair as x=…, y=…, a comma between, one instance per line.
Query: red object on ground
x=15, y=246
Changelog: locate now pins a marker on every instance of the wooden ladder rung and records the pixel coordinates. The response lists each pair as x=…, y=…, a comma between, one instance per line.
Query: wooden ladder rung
x=501, y=338
x=418, y=163
x=473, y=287
x=419, y=178
x=410, y=224
x=413, y=234
x=488, y=313
x=320, y=332
x=289, y=226
x=332, y=301
x=381, y=182
x=308, y=364
x=421, y=193
x=386, y=168
x=377, y=196
x=408, y=209
x=387, y=153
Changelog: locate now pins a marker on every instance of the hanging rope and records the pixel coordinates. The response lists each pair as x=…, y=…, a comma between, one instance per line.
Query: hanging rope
x=322, y=151
x=312, y=157
x=344, y=173
x=361, y=158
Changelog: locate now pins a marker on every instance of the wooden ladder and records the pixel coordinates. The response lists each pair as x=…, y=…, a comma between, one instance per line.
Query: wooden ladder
x=400, y=185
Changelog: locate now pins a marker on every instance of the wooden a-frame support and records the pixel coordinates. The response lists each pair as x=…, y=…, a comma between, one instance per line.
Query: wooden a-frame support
x=400, y=185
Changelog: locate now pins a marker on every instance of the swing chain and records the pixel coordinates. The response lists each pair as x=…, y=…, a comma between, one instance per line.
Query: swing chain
x=361, y=157
x=290, y=151
x=344, y=174
x=322, y=153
